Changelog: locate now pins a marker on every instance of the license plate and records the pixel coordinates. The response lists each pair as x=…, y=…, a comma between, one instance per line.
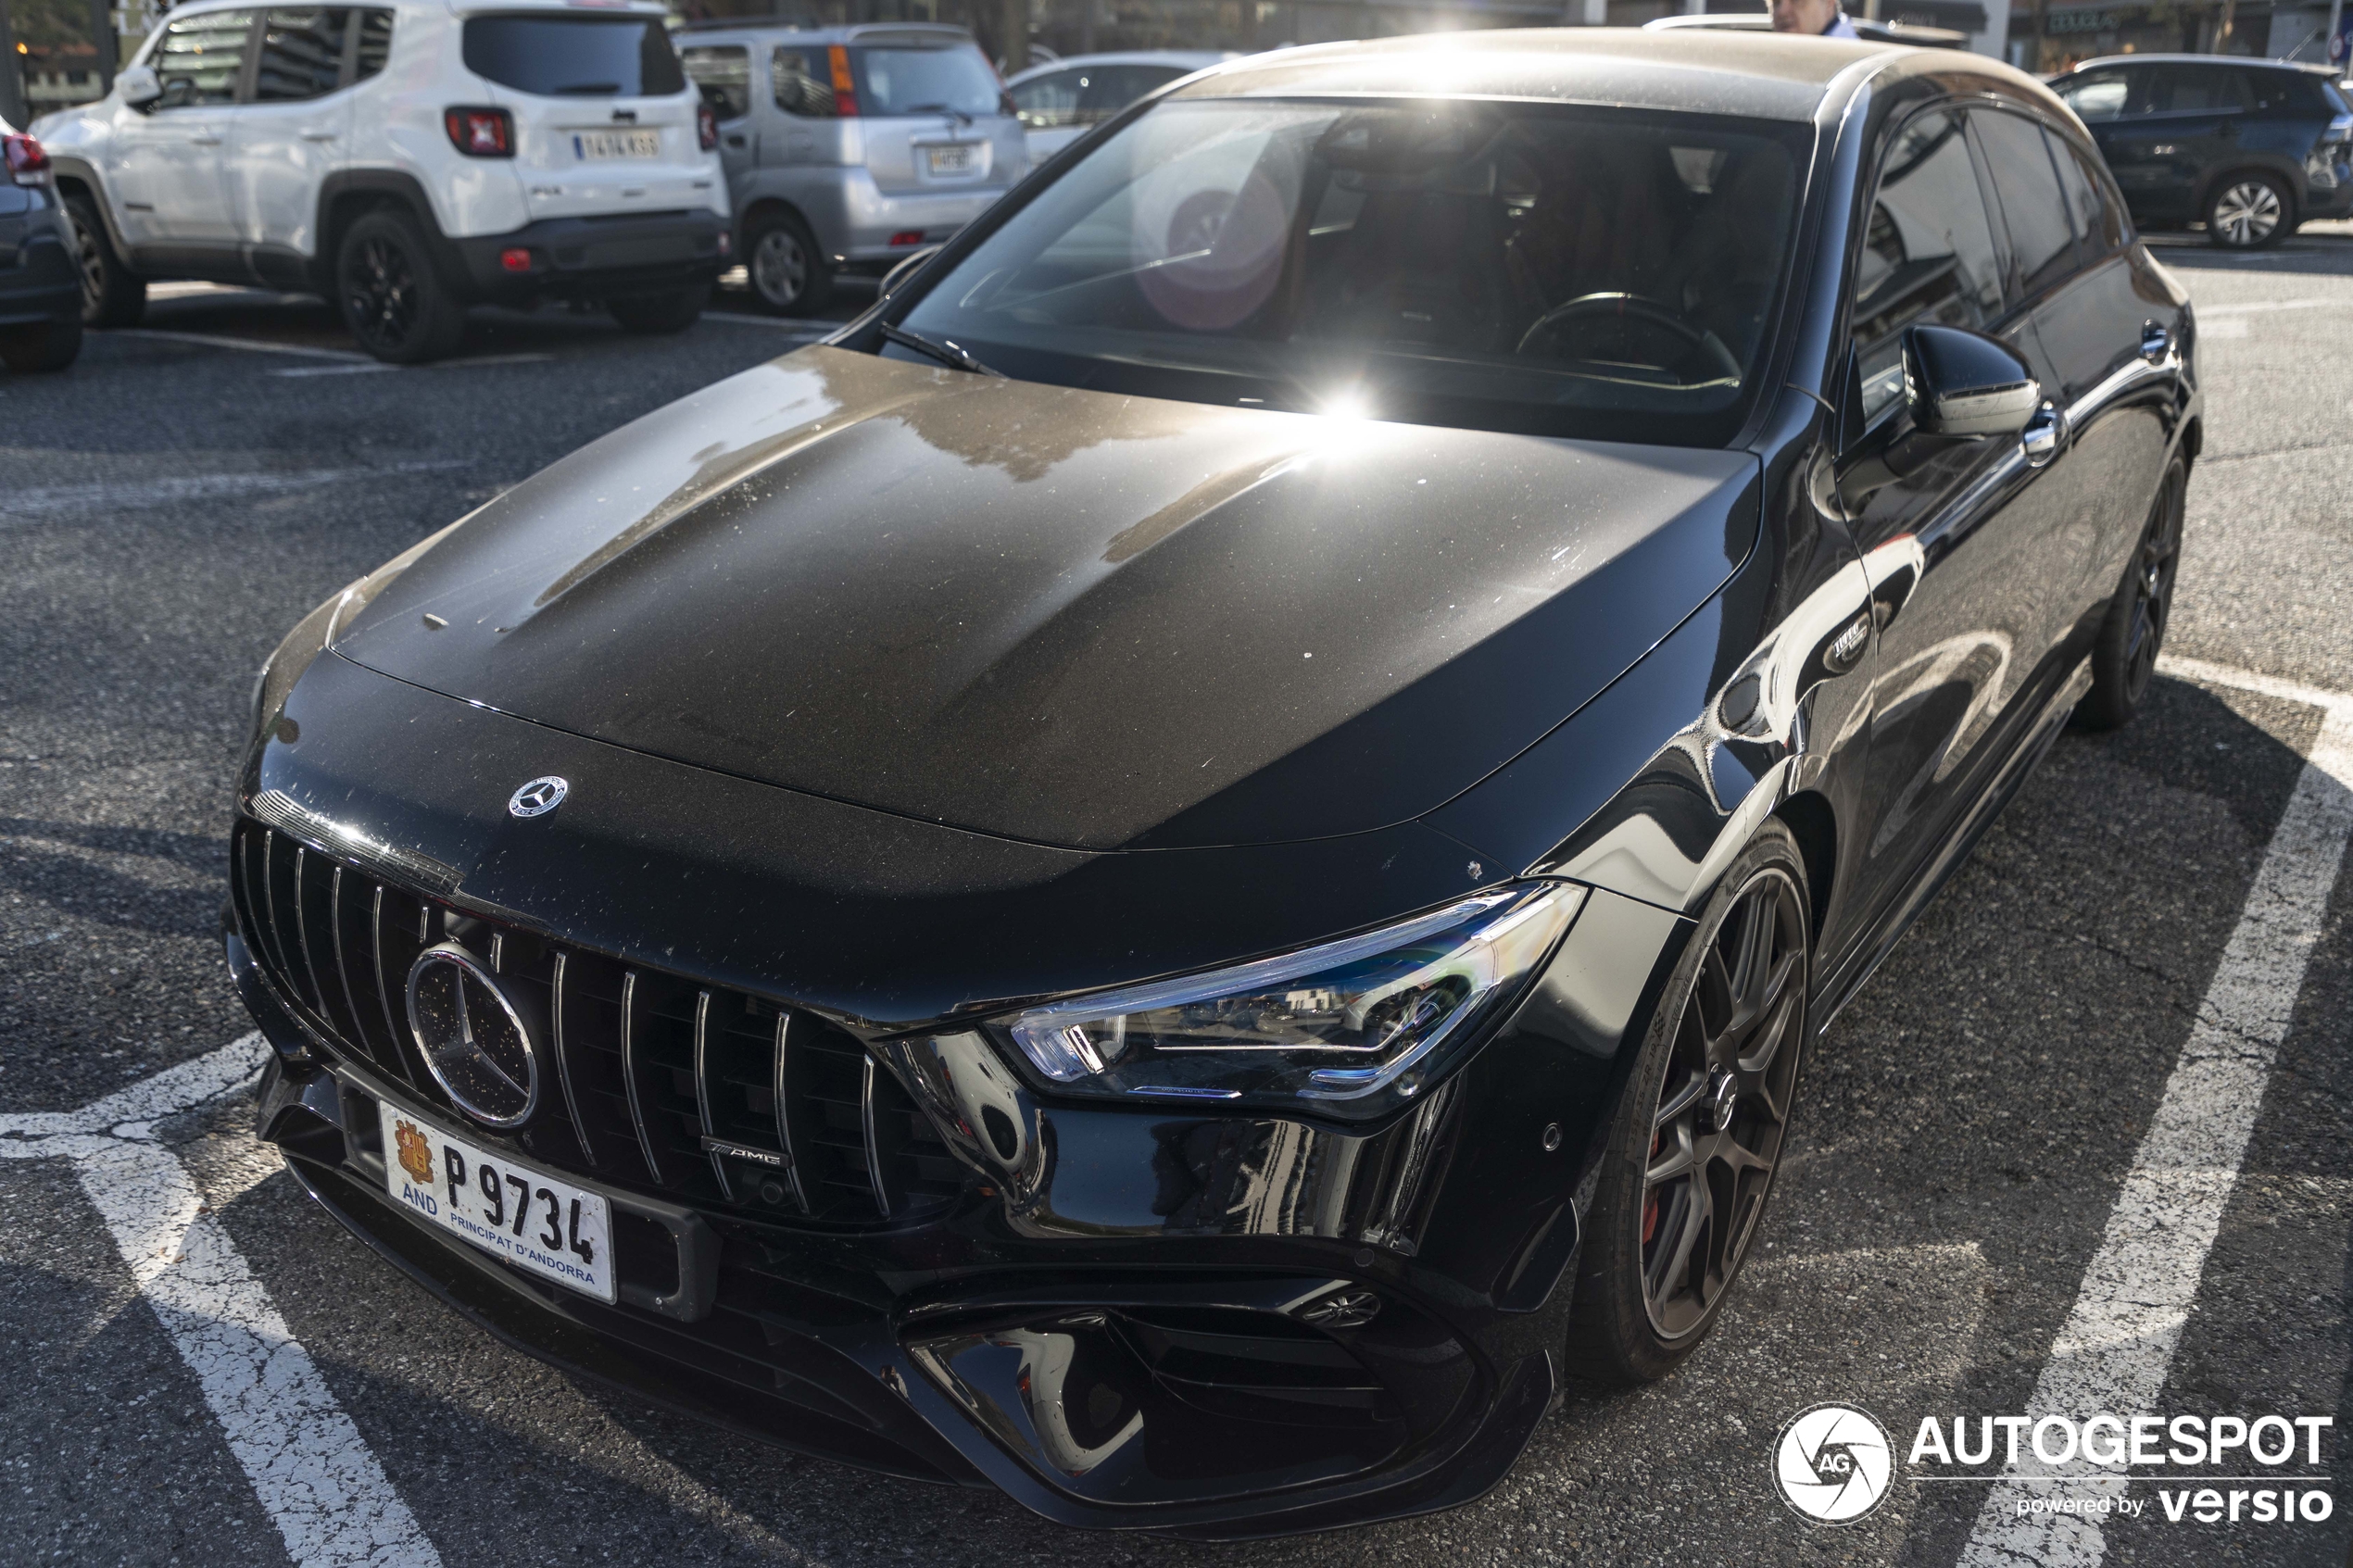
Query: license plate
x=603, y=147
x=538, y=1223
x=952, y=160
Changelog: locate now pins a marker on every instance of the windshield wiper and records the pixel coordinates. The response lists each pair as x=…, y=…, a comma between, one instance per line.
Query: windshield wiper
x=947, y=354
x=601, y=89
x=962, y=117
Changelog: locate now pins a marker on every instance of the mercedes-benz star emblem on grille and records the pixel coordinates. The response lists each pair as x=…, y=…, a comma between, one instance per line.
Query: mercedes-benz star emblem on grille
x=539, y=797
x=475, y=1040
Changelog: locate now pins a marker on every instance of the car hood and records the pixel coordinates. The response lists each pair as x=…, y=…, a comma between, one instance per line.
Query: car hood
x=1063, y=616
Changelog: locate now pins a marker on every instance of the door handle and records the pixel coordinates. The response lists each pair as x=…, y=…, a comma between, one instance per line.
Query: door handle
x=204, y=141
x=321, y=135
x=2045, y=434
x=737, y=141
x=2156, y=342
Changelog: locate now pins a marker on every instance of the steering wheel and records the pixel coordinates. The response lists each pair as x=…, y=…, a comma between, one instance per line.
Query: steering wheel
x=1639, y=307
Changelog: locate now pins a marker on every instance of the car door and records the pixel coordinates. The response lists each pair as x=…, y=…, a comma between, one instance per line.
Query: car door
x=722, y=72
x=1953, y=531
x=2114, y=104
x=1048, y=107
x=167, y=171
x=290, y=134
x=2197, y=113
x=2107, y=334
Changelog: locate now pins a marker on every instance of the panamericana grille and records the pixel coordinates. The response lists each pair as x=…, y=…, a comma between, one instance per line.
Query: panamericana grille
x=711, y=1096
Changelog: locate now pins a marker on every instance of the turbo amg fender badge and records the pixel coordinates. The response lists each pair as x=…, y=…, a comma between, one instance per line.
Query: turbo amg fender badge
x=539, y=797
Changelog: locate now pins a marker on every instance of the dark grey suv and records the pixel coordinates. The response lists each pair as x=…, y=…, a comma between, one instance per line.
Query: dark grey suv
x=2249, y=148
x=39, y=291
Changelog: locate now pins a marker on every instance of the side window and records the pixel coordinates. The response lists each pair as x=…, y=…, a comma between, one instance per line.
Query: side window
x=722, y=72
x=201, y=57
x=2042, y=232
x=373, y=44
x=2099, y=228
x=1103, y=91
x=301, y=56
x=803, y=81
x=1048, y=102
x=2097, y=96
x=2200, y=89
x=1927, y=253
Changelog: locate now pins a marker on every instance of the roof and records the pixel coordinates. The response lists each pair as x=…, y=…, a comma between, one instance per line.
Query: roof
x=2238, y=61
x=858, y=32
x=1711, y=71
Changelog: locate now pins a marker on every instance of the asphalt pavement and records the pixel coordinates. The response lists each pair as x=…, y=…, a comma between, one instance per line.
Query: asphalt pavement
x=1979, y=1129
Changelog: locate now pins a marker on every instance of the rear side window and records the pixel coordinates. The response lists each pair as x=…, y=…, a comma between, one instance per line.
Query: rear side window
x=723, y=72
x=1928, y=252
x=301, y=56
x=803, y=80
x=910, y=81
x=2200, y=89
x=575, y=57
x=2041, y=231
x=201, y=57
x=373, y=44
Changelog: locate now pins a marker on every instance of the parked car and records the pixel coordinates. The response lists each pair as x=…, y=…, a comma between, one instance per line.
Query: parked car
x=1911, y=34
x=1194, y=859
x=40, y=297
x=1061, y=100
x=2250, y=149
x=404, y=159
x=849, y=147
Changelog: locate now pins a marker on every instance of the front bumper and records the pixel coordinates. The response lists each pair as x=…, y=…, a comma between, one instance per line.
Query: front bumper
x=2328, y=201
x=598, y=258
x=1124, y=1318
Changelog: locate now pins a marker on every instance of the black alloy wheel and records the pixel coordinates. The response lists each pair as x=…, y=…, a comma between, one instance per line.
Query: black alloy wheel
x=112, y=295
x=1700, y=1132
x=1723, y=1106
x=392, y=299
x=2133, y=635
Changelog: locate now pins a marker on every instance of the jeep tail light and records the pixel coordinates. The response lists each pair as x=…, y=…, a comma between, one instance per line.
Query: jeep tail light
x=845, y=89
x=706, y=127
x=480, y=133
x=28, y=164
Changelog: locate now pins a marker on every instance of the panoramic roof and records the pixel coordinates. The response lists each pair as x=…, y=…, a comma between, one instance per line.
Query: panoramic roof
x=1768, y=76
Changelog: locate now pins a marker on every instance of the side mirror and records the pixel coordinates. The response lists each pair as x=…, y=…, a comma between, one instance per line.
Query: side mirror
x=139, y=86
x=905, y=270
x=1960, y=384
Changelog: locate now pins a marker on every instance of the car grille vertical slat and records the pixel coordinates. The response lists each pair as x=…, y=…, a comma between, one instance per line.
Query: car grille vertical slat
x=650, y=1065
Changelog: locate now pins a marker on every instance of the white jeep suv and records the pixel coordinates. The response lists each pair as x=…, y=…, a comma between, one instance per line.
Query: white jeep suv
x=405, y=160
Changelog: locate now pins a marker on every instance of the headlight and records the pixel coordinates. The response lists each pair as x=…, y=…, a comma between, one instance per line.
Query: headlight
x=1353, y=1026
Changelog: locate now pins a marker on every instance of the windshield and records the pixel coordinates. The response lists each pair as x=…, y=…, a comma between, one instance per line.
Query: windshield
x=573, y=57
x=1537, y=267
x=954, y=80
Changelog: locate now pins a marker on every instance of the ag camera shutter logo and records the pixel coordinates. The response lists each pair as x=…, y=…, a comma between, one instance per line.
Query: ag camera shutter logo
x=1832, y=1463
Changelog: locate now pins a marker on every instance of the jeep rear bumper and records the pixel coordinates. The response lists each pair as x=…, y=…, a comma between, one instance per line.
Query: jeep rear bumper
x=597, y=257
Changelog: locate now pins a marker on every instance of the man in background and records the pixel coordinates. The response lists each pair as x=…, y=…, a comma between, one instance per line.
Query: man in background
x=1820, y=16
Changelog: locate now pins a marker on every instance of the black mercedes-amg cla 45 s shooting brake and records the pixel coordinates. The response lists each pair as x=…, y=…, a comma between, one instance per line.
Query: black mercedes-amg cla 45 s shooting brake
x=1196, y=862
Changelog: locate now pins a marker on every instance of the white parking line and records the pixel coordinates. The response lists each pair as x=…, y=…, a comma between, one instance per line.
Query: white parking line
x=2113, y=1353
x=2204, y=312
x=311, y=1468
x=208, y=340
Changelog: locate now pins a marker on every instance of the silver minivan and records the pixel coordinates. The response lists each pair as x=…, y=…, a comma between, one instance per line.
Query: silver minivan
x=850, y=147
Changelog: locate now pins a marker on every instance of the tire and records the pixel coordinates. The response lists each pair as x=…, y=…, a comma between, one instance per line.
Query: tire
x=393, y=298
x=652, y=313
x=2248, y=211
x=1689, y=1159
x=2133, y=632
x=41, y=346
x=112, y=296
x=788, y=273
